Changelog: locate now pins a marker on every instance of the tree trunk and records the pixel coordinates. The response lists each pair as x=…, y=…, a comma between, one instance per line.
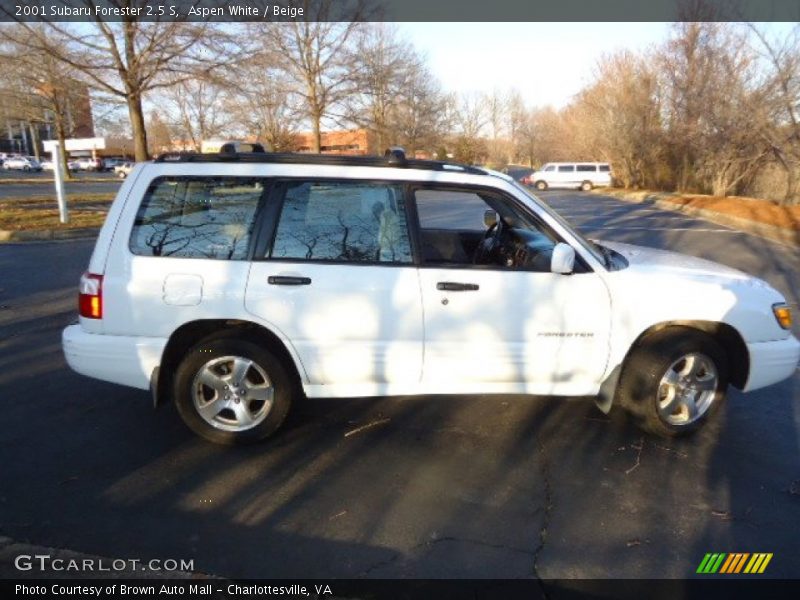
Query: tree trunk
x=317, y=135
x=137, y=125
x=34, y=140
x=61, y=135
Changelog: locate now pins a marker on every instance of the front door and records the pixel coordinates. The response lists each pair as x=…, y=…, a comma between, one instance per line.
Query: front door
x=504, y=319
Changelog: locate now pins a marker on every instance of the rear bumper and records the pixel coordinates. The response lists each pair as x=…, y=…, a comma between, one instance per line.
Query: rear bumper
x=771, y=362
x=119, y=359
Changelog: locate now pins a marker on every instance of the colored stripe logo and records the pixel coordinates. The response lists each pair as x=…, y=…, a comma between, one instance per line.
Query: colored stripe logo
x=734, y=563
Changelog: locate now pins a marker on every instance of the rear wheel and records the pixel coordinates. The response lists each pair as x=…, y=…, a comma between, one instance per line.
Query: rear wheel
x=674, y=381
x=541, y=185
x=586, y=186
x=232, y=391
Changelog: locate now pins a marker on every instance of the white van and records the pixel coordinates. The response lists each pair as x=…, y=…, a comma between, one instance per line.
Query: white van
x=580, y=175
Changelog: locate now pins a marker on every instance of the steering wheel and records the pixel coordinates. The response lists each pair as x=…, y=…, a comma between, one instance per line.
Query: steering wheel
x=489, y=243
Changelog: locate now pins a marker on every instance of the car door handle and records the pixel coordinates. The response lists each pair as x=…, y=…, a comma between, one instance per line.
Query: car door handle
x=288, y=280
x=452, y=286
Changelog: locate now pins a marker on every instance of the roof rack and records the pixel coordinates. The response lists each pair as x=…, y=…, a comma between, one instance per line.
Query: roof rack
x=394, y=157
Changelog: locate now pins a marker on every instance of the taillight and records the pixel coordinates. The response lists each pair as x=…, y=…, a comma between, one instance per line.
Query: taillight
x=90, y=299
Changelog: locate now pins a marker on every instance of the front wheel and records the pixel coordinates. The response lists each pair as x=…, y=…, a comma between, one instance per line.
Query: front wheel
x=674, y=381
x=232, y=391
x=541, y=186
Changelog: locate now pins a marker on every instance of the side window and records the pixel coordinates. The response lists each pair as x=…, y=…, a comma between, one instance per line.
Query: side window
x=354, y=222
x=587, y=168
x=455, y=210
x=453, y=231
x=550, y=169
x=566, y=168
x=605, y=168
x=201, y=217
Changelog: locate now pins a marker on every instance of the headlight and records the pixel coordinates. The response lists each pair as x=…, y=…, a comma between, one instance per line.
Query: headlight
x=783, y=314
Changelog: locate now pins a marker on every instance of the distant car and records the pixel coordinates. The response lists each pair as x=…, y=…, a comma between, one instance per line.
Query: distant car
x=123, y=170
x=583, y=176
x=72, y=165
x=89, y=164
x=110, y=164
x=521, y=174
x=22, y=163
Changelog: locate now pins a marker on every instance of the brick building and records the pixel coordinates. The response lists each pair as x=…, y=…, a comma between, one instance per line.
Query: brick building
x=353, y=142
x=23, y=134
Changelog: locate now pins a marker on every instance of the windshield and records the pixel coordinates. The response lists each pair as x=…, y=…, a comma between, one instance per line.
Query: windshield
x=594, y=249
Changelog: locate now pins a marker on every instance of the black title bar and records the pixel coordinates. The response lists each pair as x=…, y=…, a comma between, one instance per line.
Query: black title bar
x=221, y=11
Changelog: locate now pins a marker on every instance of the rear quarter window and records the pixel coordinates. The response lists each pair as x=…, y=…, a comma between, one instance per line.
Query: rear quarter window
x=207, y=217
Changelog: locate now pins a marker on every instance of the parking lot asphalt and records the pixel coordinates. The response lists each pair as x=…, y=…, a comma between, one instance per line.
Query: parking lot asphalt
x=468, y=486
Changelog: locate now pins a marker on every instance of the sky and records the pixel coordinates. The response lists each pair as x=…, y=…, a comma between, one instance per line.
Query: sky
x=547, y=62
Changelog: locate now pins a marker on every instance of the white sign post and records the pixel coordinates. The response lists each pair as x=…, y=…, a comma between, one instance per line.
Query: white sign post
x=71, y=145
x=59, y=179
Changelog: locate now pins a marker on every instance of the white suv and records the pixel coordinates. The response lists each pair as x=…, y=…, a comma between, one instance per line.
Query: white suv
x=235, y=284
x=584, y=176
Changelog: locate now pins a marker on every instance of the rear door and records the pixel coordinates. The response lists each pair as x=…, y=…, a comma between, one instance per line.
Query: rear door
x=336, y=278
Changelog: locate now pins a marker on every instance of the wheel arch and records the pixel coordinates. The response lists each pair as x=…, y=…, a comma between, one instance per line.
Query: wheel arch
x=192, y=332
x=724, y=334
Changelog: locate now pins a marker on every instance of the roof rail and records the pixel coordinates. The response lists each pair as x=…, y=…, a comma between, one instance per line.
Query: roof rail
x=394, y=158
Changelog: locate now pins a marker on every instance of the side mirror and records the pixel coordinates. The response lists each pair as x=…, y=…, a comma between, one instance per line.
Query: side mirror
x=489, y=217
x=563, y=259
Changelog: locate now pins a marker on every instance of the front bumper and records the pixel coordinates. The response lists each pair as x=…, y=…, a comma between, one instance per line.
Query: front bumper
x=119, y=359
x=771, y=362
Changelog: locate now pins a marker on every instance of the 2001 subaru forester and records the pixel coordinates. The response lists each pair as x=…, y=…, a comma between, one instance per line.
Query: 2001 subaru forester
x=234, y=283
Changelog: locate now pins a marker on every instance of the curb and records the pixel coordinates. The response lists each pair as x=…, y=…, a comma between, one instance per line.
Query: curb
x=661, y=200
x=51, y=181
x=38, y=235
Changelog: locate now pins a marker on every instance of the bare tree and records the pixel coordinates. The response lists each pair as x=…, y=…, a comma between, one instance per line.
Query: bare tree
x=471, y=119
x=130, y=58
x=38, y=89
x=316, y=60
x=264, y=107
x=198, y=109
x=496, y=115
x=384, y=67
x=709, y=88
x=618, y=119
x=779, y=105
x=423, y=118
x=515, y=124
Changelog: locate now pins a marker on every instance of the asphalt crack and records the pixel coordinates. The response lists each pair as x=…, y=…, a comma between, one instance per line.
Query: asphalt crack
x=548, y=508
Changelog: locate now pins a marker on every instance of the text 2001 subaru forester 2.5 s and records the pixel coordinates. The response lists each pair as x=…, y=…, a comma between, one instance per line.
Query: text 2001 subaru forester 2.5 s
x=235, y=283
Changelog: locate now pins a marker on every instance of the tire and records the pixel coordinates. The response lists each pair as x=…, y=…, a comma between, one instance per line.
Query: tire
x=235, y=414
x=674, y=381
x=586, y=186
x=541, y=186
